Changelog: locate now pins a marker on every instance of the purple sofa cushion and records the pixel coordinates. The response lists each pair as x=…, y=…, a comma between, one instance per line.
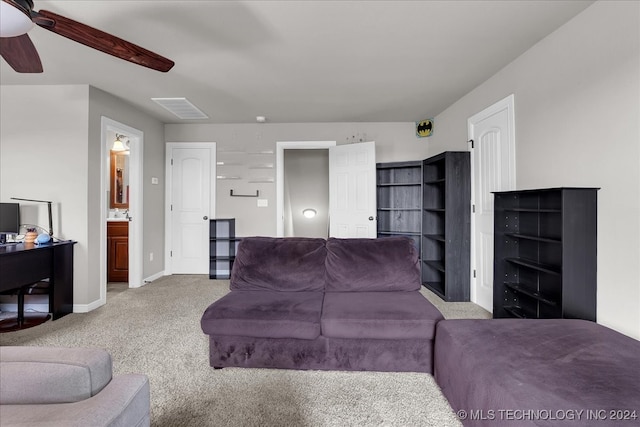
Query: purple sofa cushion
x=374, y=265
x=265, y=314
x=279, y=264
x=537, y=365
x=379, y=315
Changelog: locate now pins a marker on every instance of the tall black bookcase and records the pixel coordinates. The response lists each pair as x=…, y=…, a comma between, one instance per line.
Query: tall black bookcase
x=399, y=200
x=446, y=225
x=545, y=253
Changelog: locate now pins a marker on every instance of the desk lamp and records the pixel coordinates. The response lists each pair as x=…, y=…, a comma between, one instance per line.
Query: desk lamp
x=49, y=207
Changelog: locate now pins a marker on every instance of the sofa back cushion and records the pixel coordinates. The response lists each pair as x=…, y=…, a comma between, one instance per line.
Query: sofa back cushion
x=373, y=265
x=279, y=264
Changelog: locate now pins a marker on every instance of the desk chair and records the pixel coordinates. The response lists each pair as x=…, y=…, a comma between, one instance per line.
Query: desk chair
x=22, y=321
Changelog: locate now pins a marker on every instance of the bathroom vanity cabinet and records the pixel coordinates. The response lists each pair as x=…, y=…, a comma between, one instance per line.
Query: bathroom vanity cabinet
x=118, y=251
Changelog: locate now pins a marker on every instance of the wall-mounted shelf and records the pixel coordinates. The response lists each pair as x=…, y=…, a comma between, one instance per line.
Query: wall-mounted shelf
x=232, y=152
x=252, y=153
x=261, y=152
x=262, y=180
x=244, y=195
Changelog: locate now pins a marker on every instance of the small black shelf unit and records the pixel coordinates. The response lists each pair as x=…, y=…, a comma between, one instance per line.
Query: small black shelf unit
x=223, y=245
x=446, y=225
x=399, y=199
x=545, y=253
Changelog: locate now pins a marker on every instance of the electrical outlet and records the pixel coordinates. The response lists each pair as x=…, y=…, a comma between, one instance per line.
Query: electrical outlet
x=150, y=256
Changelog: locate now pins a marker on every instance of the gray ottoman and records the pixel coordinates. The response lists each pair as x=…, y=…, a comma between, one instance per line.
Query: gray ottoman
x=538, y=372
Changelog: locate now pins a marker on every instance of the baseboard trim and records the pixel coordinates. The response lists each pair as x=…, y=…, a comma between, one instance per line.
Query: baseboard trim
x=154, y=277
x=10, y=306
x=85, y=308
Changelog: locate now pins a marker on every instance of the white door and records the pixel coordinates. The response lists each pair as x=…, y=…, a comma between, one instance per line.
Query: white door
x=191, y=204
x=352, y=190
x=492, y=138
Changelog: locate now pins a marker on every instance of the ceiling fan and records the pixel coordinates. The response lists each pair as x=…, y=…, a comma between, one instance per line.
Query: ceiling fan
x=17, y=17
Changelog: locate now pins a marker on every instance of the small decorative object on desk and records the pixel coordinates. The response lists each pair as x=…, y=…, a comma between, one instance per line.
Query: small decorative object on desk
x=30, y=236
x=42, y=239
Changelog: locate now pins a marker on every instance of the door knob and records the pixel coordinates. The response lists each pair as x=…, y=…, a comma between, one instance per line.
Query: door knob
x=205, y=217
x=370, y=218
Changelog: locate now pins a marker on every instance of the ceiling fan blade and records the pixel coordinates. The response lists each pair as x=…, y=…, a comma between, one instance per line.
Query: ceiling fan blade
x=20, y=54
x=102, y=41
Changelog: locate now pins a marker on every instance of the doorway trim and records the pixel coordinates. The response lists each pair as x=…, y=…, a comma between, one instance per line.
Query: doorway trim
x=136, y=138
x=280, y=147
x=508, y=104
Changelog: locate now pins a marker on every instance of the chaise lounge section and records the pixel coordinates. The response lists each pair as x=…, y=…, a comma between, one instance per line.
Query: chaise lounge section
x=336, y=304
x=538, y=372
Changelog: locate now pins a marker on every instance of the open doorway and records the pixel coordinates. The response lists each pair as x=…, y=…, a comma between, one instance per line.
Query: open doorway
x=281, y=147
x=121, y=201
x=352, y=189
x=306, y=193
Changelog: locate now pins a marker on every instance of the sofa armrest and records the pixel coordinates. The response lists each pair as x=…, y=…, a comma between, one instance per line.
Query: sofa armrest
x=124, y=402
x=35, y=375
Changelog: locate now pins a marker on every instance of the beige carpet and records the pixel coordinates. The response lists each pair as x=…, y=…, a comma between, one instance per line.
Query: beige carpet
x=155, y=330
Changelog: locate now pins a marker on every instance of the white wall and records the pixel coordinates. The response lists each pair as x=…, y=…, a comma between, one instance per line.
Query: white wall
x=43, y=155
x=394, y=142
x=105, y=104
x=577, y=110
x=50, y=140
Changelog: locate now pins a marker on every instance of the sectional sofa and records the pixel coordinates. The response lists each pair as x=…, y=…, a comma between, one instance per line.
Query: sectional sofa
x=354, y=304
x=339, y=304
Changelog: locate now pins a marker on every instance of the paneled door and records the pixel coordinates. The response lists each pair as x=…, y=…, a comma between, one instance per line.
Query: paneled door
x=492, y=139
x=191, y=198
x=352, y=190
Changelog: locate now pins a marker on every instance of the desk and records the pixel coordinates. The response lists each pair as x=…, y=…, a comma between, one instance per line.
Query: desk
x=22, y=265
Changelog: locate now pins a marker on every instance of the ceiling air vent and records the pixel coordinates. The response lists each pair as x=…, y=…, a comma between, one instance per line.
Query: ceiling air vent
x=181, y=107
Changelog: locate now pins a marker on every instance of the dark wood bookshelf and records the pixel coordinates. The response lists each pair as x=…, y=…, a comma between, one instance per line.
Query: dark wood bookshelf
x=446, y=225
x=545, y=244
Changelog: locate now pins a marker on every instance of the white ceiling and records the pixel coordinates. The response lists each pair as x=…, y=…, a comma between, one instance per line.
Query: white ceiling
x=298, y=61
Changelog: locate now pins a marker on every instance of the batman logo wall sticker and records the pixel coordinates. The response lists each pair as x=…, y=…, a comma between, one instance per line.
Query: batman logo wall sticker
x=424, y=128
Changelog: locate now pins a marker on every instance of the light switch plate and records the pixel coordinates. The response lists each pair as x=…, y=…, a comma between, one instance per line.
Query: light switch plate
x=263, y=203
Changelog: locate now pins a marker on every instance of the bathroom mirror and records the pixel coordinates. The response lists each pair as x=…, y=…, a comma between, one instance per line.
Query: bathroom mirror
x=119, y=179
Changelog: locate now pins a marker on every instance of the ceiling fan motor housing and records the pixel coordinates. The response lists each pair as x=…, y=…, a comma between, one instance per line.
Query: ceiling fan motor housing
x=15, y=17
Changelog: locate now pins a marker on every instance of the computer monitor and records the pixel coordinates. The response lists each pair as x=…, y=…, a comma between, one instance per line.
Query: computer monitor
x=9, y=220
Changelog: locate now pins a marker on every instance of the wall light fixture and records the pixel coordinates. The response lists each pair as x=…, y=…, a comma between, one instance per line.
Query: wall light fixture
x=118, y=144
